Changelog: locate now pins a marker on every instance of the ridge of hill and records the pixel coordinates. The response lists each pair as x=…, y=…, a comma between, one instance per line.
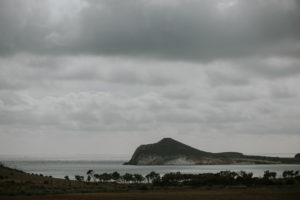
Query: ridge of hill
x=171, y=152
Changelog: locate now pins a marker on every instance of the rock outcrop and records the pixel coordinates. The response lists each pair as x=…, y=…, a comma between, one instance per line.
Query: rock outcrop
x=171, y=152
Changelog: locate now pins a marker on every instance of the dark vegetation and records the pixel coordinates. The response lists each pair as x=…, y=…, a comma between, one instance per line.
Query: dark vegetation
x=16, y=182
x=169, y=149
x=223, y=178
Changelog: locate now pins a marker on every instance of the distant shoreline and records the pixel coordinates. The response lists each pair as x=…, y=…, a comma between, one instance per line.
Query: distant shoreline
x=61, y=168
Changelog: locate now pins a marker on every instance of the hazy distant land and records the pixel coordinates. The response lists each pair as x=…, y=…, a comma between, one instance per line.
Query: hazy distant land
x=171, y=152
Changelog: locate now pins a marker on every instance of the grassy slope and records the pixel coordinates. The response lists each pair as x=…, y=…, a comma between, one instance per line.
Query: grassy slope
x=14, y=181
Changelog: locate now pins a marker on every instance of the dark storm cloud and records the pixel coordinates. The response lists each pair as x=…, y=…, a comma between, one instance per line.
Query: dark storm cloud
x=191, y=30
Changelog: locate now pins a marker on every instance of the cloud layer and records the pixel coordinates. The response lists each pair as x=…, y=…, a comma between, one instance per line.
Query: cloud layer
x=218, y=74
x=189, y=30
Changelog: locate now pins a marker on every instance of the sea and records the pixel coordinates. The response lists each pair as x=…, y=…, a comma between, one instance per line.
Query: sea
x=60, y=168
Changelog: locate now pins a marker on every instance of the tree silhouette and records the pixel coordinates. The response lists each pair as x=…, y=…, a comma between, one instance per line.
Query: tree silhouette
x=79, y=178
x=269, y=175
x=105, y=177
x=138, y=178
x=90, y=174
x=97, y=176
x=127, y=177
x=115, y=176
x=151, y=176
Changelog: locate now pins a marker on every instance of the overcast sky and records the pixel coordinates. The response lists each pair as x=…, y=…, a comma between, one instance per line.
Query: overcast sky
x=102, y=77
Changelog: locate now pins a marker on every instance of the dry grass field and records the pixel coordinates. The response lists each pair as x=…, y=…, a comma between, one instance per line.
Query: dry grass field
x=290, y=193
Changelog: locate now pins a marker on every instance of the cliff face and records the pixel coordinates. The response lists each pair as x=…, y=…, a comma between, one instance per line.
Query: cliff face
x=171, y=152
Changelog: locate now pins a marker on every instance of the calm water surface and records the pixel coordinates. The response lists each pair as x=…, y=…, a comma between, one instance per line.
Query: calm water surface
x=59, y=168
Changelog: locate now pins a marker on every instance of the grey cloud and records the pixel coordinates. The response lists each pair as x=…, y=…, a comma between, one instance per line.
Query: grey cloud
x=271, y=68
x=103, y=111
x=282, y=92
x=179, y=117
x=221, y=80
x=78, y=112
x=79, y=75
x=142, y=70
x=189, y=30
x=21, y=72
x=249, y=71
x=9, y=85
x=136, y=78
x=125, y=76
x=221, y=77
x=22, y=26
x=179, y=94
x=235, y=96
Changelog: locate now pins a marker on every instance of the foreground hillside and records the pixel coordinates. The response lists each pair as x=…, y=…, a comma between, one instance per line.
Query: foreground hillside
x=15, y=184
x=171, y=152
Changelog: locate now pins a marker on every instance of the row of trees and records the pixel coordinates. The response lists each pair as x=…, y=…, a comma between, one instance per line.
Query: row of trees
x=228, y=178
x=116, y=177
x=221, y=178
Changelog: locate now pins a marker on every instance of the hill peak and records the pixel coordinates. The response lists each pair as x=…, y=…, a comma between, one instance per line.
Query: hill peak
x=169, y=151
x=167, y=140
x=165, y=149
